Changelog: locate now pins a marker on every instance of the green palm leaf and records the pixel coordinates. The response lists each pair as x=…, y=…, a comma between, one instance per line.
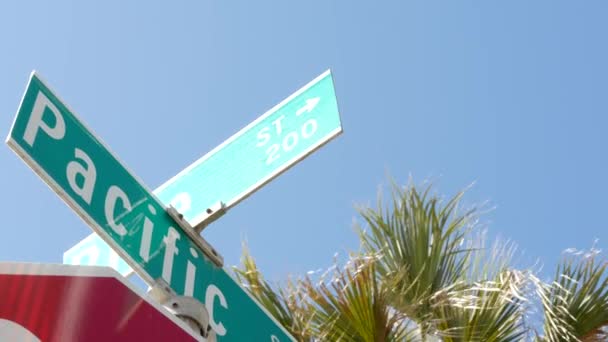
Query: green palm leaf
x=489, y=303
x=353, y=306
x=421, y=276
x=284, y=304
x=576, y=302
x=420, y=242
x=487, y=311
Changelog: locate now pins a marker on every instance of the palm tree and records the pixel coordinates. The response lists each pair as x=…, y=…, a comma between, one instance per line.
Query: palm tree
x=435, y=276
x=423, y=275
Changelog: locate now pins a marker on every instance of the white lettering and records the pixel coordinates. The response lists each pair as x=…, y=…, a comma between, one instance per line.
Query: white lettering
x=181, y=202
x=114, y=193
x=170, y=251
x=212, y=292
x=190, y=275
x=273, y=153
x=88, y=172
x=312, y=128
x=263, y=137
x=288, y=146
x=146, y=236
x=35, y=122
x=277, y=124
x=289, y=142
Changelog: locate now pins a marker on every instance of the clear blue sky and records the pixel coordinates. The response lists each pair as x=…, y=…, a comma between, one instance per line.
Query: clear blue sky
x=510, y=95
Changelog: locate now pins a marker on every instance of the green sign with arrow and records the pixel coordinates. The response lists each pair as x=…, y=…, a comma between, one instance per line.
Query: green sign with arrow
x=255, y=155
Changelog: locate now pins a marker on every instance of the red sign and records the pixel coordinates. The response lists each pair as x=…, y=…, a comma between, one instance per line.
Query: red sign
x=49, y=302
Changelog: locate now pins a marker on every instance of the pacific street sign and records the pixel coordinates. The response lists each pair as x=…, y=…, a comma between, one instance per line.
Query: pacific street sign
x=68, y=156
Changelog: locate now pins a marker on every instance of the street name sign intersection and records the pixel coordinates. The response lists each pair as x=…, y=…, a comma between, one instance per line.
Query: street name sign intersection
x=261, y=151
x=49, y=137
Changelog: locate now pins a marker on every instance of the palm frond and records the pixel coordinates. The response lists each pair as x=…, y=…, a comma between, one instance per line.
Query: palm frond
x=486, y=311
x=420, y=241
x=284, y=304
x=353, y=306
x=490, y=302
x=576, y=302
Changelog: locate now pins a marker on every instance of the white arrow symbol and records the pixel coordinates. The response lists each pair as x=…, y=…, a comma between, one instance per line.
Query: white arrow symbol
x=309, y=106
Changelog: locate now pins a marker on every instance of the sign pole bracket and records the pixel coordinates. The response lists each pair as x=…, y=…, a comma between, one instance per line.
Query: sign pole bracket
x=188, y=309
x=212, y=213
x=194, y=234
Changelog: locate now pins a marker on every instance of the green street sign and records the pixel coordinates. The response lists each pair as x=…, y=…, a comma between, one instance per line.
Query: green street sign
x=255, y=155
x=49, y=137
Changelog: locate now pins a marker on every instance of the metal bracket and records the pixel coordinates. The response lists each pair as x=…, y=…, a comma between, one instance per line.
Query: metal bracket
x=212, y=213
x=188, y=309
x=209, y=251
